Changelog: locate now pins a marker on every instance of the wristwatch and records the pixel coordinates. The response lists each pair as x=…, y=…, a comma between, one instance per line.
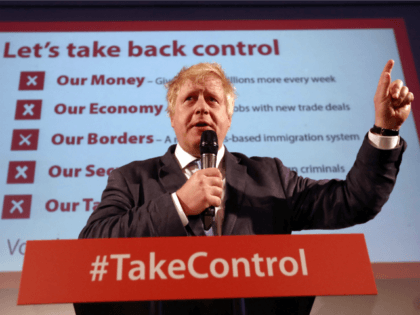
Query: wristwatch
x=384, y=132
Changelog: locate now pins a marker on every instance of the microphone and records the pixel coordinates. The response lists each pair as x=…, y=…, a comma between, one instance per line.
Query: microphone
x=208, y=150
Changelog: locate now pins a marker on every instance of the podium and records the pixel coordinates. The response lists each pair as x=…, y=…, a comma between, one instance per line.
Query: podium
x=166, y=268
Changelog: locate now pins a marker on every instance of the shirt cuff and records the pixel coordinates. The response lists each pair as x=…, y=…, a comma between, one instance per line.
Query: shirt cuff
x=384, y=142
x=178, y=208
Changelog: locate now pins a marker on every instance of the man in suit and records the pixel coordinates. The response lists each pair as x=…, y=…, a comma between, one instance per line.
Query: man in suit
x=165, y=196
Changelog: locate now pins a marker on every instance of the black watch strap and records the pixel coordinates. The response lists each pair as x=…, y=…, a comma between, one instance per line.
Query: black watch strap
x=384, y=132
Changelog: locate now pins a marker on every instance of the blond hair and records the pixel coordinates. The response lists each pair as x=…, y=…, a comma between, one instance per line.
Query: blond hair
x=197, y=74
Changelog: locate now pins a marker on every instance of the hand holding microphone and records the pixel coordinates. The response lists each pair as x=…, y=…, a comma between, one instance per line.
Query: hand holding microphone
x=205, y=187
x=208, y=151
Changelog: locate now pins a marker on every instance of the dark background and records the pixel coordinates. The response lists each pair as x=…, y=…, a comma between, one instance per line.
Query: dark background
x=216, y=10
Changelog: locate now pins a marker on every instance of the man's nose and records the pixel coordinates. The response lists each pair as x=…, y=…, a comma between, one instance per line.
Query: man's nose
x=201, y=106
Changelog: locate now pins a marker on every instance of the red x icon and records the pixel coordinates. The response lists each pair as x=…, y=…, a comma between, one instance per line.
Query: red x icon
x=21, y=172
x=28, y=109
x=25, y=139
x=16, y=207
x=31, y=80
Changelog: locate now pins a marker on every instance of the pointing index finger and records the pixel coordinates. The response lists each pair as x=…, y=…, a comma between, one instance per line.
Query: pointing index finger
x=388, y=67
x=385, y=79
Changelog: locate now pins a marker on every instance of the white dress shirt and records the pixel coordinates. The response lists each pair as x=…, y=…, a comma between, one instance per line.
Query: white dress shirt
x=184, y=159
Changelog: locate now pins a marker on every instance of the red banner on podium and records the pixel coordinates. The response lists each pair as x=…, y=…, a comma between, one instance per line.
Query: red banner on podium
x=170, y=268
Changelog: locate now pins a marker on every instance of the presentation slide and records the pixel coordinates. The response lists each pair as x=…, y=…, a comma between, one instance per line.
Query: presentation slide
x=80, y=99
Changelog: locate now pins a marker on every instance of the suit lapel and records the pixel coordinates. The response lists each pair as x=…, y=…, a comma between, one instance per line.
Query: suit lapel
x=170, y=174
x=235, y=187
x=172, y=178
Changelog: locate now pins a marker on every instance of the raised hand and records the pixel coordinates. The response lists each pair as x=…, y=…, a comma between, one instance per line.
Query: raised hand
x=392, y=100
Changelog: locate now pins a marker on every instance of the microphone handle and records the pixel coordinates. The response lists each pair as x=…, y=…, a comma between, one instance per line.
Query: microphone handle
x=208, y=216
x=208, y=160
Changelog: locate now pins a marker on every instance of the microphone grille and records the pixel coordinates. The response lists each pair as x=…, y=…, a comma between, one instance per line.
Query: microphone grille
x=209, y=143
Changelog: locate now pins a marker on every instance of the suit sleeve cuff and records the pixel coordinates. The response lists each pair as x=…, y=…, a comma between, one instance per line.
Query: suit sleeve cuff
x=384, y=142
x=178, y=208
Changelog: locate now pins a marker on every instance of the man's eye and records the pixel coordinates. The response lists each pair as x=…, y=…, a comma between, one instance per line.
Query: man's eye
x=189, y=98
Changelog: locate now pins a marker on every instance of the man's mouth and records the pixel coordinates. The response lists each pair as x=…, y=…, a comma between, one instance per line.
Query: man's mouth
x=202, y=124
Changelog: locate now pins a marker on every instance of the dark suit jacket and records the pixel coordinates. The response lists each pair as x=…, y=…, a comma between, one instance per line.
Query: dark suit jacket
x=263, y=197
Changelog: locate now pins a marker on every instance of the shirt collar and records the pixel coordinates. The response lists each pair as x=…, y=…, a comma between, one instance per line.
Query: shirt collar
x=184, y=158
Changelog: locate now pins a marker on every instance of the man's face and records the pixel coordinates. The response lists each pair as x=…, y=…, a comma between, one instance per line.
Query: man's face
x=199, y=108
